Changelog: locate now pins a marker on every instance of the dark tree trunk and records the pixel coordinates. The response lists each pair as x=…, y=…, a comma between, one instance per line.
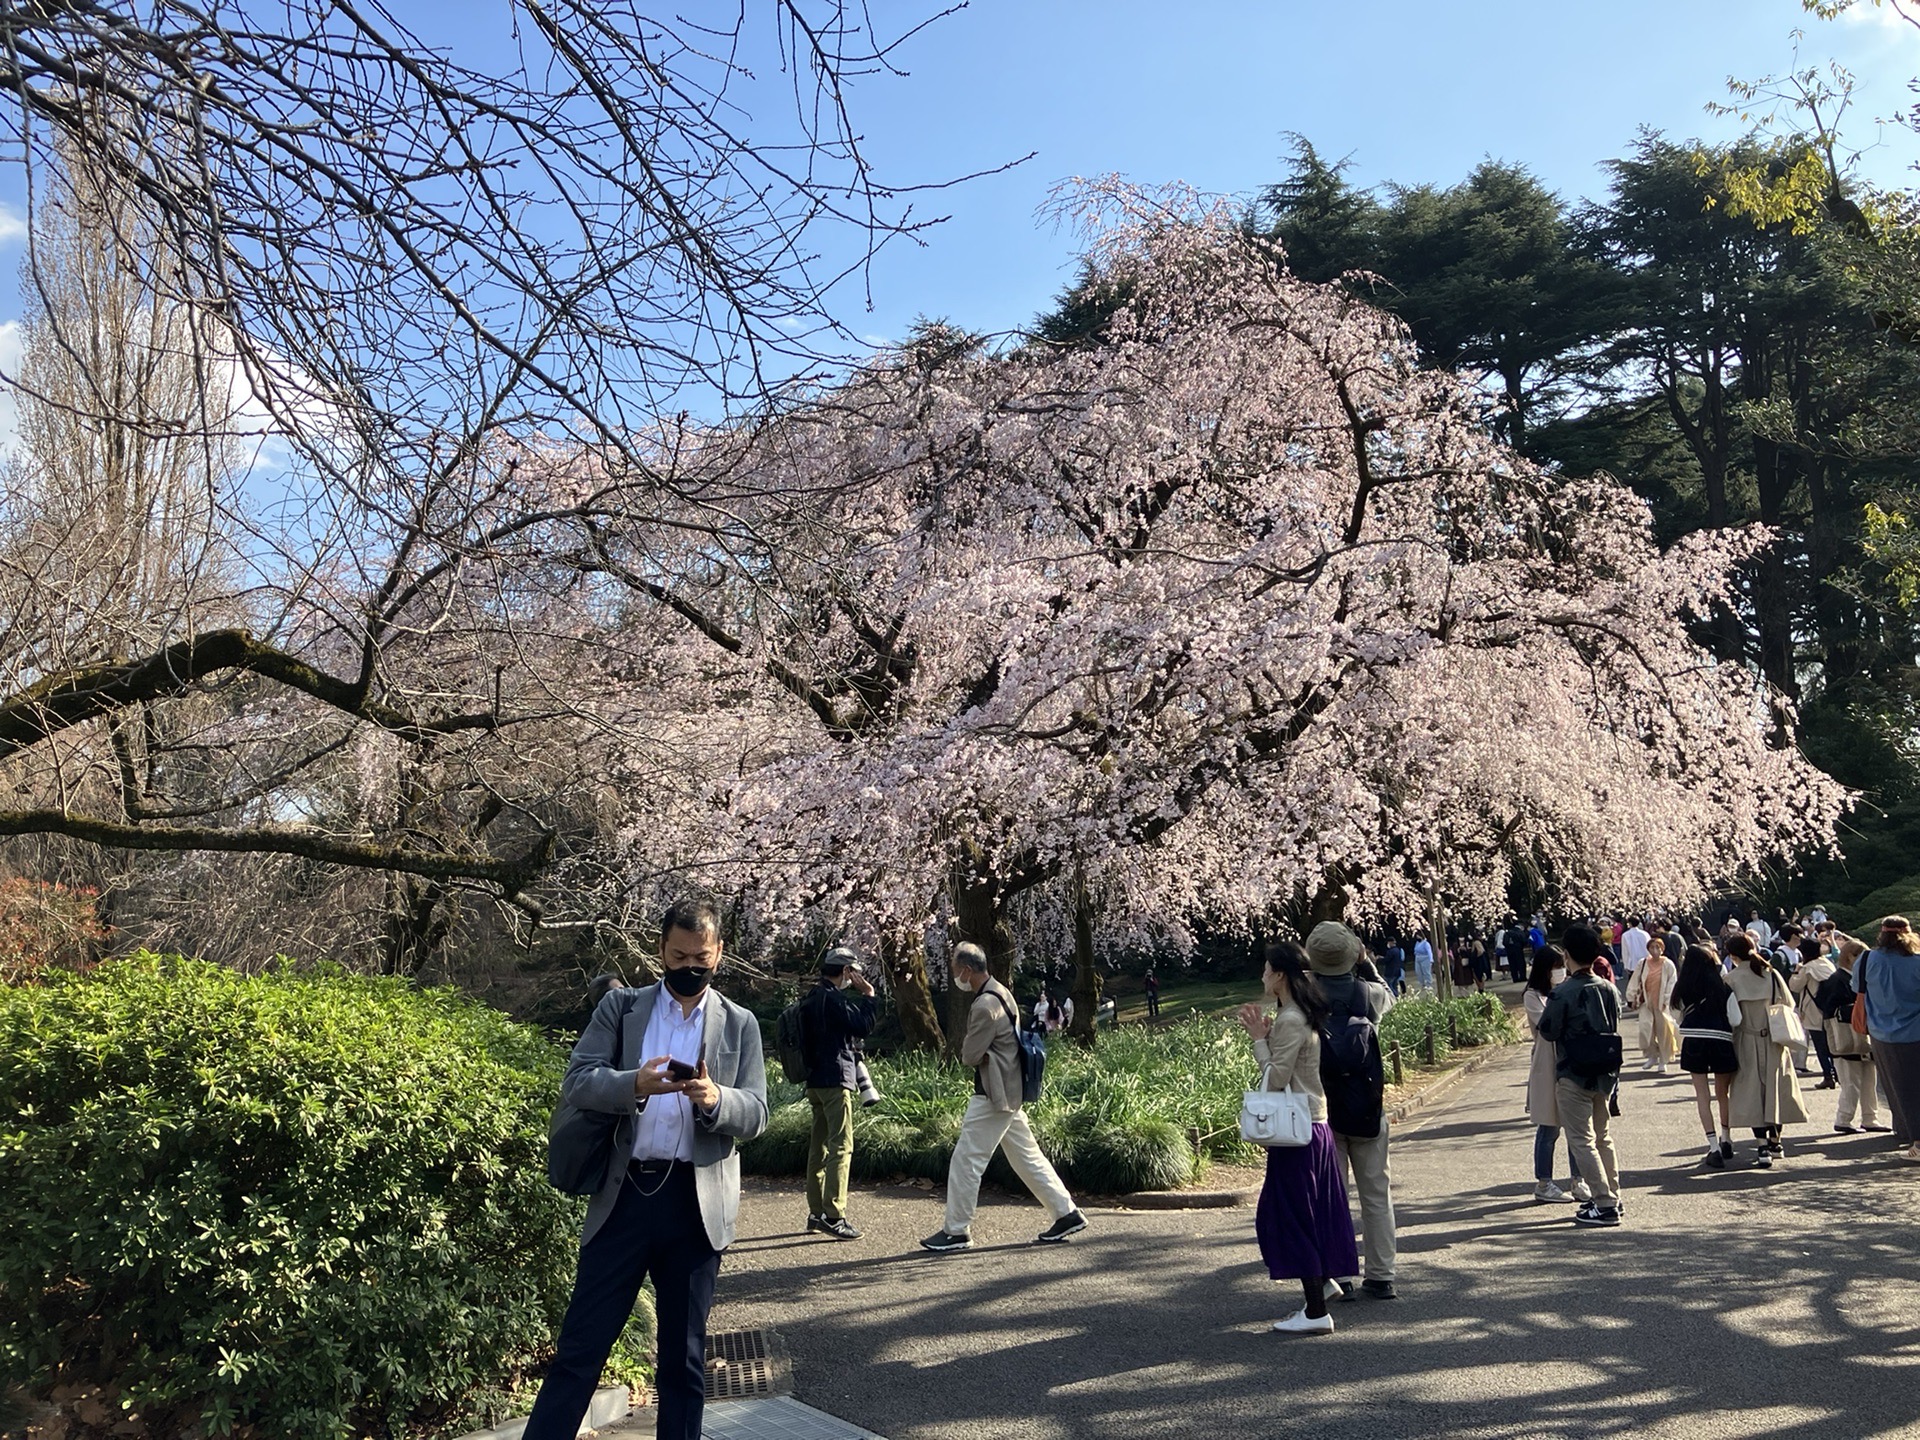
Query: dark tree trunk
x=1086, y=974
x=906, y=966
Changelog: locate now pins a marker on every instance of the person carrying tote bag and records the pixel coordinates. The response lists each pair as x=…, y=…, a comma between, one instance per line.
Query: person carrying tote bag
x=1766, y=1092
x=1302, y=1223
x=1852, y=1051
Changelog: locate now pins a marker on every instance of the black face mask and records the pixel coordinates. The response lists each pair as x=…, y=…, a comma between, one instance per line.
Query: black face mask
x=689, y=982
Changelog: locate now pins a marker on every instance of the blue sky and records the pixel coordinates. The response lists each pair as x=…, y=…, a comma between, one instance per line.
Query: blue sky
x=1412, y=91
x=1206, y=91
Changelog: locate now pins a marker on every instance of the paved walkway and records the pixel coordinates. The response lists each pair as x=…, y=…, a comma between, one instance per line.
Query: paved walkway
x=1733, y=1304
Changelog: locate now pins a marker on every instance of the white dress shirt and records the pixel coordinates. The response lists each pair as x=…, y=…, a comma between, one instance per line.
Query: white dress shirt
x=664, y=1128
x=1633, y=947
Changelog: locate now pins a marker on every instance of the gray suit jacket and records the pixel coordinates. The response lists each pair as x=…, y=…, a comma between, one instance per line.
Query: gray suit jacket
x=734, y=1063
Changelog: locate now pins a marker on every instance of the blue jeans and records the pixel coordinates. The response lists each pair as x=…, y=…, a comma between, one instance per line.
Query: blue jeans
x=1545, y=1138
x=1423, y=973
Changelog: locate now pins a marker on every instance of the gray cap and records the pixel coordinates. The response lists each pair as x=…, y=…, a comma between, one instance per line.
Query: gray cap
x=837, y=959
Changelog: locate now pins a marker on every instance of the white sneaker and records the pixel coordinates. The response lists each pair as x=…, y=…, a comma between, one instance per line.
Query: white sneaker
x=1298, y=1324
x=1546, y=1191
x=1582, y=1191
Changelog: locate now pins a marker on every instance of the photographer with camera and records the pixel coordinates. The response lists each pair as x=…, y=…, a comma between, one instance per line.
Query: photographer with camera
x=832, y=1027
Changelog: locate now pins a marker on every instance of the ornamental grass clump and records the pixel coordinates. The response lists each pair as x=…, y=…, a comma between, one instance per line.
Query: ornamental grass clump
x=1144, y=1110
x=308, y=1203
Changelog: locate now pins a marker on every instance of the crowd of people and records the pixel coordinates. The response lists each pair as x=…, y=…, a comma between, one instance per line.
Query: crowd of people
x=1740, y=1012
x=678, y=1071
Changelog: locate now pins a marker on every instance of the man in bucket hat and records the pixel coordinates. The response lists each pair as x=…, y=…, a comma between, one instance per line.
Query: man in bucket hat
x=1351, y=1072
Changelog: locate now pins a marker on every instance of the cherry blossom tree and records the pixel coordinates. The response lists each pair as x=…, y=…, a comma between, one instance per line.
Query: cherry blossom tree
x=1234, y=612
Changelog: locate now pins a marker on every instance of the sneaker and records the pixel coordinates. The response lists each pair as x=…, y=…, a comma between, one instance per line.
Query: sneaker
x=1379, y=1290
x=1583, y=1192
x=1775, y=1148
x=1298, y=1323
x=838, y=1229
x=1595, y=1215
x=1764, y=1158
x=814, y=1222
x=1071, y=1223
x=1547, y=1191
x=1846, y=1130
x=944, y=1241
x=1726, y=1148
x=1715, y=1160
x=1878, y=1129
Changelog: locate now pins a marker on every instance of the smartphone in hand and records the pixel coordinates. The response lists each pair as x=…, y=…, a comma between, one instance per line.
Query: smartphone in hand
x=680, y=1070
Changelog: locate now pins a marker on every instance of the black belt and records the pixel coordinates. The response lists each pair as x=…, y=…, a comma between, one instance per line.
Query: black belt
x=651, y=1169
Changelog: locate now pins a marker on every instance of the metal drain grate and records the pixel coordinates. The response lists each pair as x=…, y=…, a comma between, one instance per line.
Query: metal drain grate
x=747, y=1365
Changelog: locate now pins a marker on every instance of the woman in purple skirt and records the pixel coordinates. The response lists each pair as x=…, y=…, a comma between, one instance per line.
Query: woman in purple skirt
x=1304, y=1227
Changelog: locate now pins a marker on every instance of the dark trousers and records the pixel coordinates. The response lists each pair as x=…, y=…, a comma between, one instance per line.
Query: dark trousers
x=1153, y=1004
x=655, y=1230
x=1819, y=1038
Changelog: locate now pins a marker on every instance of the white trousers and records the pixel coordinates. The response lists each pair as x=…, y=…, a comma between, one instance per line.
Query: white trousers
x=983, y=1131
x=1859, y=1090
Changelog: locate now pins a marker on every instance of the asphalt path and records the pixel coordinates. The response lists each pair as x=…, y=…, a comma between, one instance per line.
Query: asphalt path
x=1738, y=1303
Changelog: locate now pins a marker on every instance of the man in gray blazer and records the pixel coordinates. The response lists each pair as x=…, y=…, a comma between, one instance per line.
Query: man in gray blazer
x=994, y=1120
x=672, y=1193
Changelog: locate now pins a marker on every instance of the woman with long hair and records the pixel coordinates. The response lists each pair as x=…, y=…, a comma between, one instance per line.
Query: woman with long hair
x=1766, y=1093
x=1852, y=1052
x=1889, y=976
x=1706, y=1045
x=1543, y=1107
x=1651, y=988
x=1302, y=1222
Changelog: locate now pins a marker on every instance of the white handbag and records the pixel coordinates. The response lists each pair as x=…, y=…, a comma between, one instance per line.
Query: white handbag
x=1783, y=1024
x=1276, y=1117
x=1784, y=1027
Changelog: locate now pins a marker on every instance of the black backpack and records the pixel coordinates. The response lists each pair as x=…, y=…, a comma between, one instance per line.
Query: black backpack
x=1031, y=1046
x=1351, y=1071
x=1592, y=1053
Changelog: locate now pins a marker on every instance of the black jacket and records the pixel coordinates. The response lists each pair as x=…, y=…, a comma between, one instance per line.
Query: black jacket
x=1834, y=996
x=835, y=1023
x=1581, y=1004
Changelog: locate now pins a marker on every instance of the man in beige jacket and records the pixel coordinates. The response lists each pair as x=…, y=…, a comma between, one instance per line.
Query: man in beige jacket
x=994, y=1119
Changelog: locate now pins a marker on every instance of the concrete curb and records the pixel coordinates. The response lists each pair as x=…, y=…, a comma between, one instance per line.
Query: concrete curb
x=1448, y=1081
x=608, y=1405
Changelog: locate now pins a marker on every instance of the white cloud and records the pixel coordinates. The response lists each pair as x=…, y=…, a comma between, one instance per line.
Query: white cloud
x=1896, y=15
x=13, y=225
x=10, y=343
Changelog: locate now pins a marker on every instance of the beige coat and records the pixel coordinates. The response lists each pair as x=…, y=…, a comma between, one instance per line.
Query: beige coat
x=989, y=1046
x=1807, y=979
x=1543, y=1103
x=1652, y=989
x=1291, y=1055
x=1765, y=1090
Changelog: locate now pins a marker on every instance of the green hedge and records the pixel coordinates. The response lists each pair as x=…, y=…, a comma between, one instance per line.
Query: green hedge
x=307, y=1202
x=1479, y=1019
